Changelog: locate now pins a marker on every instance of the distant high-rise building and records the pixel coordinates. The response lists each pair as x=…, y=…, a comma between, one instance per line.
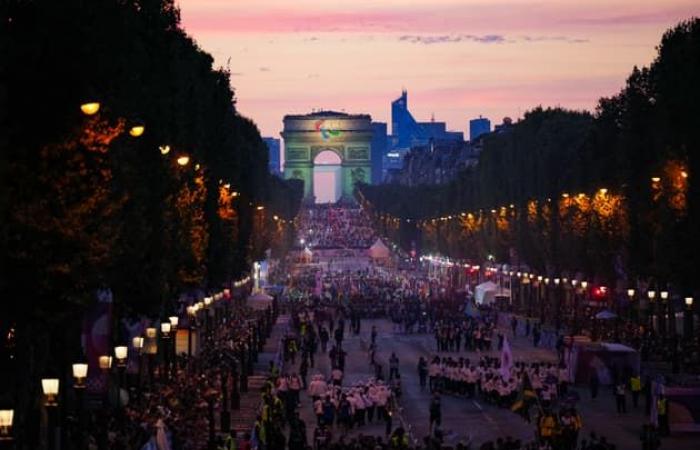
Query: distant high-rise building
x=404, y=127
x=479, y=126
x=273, y=151
x=406, y=132
x=379, y=148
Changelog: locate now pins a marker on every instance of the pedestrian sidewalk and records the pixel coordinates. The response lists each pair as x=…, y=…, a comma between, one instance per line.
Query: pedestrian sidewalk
x=243, y=419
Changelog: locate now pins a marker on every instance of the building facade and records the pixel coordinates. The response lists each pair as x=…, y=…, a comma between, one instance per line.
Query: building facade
x=379, y=148
x=349, y=136
x=273, y=155
x=479, y=126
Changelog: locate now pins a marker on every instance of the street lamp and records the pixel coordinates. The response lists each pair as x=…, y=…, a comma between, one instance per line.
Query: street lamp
x=689, y=302
x=165, y=329
x=105, y=362
x=183, y=160
x=137, y=130
x=6, y=419
x=90, y=108
x=50, y=388
x=630, y=294
x=80, y=373
x=121, y=352
x=137, y=343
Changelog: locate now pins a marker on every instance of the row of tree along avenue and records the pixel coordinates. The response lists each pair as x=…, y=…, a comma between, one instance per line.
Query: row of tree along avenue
x=613, y=194
x=125, y=166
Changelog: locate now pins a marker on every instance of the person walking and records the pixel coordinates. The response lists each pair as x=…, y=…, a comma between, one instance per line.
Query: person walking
x=435, y=412
x=422, y=372
x=636, y=389
x=393, y=366
x=620, y=398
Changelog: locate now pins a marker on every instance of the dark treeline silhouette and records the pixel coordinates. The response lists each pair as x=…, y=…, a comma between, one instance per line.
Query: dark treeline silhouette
x=614, y=194
x=85, y=204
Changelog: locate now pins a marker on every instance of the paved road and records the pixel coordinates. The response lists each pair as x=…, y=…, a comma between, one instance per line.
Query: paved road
x=465, y=419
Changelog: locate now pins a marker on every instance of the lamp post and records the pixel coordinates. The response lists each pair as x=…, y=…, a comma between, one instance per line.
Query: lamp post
x=584, y=296
x=651, y=295
x=138, y=342
x=80, y=371
x=7, y=417
x=688, y=317
x=121, y=352
x=151, y=344
x=557, y=300
x=663, y=314
x=630, y=305
x=165, y=336
x=174, y=321
x=50, y=388
x=546, y=297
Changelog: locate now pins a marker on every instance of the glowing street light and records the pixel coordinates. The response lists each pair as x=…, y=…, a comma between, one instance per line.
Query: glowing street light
x=174, y=320
x=137, y=130
x=137, y=343
x=630, y=293
x=121, y=352
x=50, y=388
x=689, y=302
x=651, y=295
x=90, y=108
x=663, y=295
x=165, y=329
x=80, y=371
x=183, y=160
x=6, y=419
x=105, y=362
x=164, y=149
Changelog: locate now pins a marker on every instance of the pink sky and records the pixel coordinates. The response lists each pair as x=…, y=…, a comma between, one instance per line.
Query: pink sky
x=458, y=59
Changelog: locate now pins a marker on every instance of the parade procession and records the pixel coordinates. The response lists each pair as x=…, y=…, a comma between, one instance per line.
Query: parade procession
x=349, y=225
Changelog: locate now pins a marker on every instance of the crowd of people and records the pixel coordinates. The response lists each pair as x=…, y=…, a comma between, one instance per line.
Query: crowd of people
x=335, y=227
x=159, y=407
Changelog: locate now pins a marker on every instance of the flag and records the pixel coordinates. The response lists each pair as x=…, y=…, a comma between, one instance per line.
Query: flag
x=506, y=359
x=526, y=397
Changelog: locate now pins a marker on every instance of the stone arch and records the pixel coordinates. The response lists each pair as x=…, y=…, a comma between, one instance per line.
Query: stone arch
x=324, y=150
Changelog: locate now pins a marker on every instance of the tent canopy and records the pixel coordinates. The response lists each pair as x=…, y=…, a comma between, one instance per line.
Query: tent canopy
x=488, y=292
x=379, y=250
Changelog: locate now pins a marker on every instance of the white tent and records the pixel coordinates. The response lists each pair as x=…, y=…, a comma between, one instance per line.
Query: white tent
x=486, y=293
x=259, y=300
x=379, y=250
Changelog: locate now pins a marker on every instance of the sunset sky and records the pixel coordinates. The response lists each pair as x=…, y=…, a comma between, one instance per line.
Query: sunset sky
x=457, y=58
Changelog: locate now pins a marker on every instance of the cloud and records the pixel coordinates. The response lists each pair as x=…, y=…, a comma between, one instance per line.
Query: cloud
x=449, y=38
x=567, y=39
x=483, y=39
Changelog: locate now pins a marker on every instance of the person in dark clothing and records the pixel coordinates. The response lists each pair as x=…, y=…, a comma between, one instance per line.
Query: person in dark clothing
x=422, y=372
x=435, y=411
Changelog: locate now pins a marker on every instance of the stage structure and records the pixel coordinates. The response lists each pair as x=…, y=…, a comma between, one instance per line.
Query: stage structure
x=307, y=140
